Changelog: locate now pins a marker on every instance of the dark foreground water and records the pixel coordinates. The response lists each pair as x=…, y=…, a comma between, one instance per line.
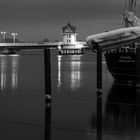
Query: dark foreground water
x=22, y=104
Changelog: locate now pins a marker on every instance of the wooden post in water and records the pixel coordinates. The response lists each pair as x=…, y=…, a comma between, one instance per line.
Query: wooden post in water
x=47, y=71
x=99, y=93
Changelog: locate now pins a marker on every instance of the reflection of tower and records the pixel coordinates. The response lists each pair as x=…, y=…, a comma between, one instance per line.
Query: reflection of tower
x=59, y=71
x=75, y=72
x=14, y=73
x=69, y=72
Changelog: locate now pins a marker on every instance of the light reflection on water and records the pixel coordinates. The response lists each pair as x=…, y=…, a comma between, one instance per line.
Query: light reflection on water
x=121, y=110
x=3, y=64
x=76, y=74
x=59, y=70
x=14, y=73
x=21, y=111
x=74, y=65
x=9, y=72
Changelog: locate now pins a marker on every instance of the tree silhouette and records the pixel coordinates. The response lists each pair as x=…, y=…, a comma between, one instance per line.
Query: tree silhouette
x=45, y=40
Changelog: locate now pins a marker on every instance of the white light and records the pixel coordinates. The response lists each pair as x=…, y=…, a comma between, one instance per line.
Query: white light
x=14, y=36
x=3, y=33
x=59, y=47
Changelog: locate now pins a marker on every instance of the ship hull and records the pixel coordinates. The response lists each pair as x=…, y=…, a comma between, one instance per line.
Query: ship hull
x=124, y=64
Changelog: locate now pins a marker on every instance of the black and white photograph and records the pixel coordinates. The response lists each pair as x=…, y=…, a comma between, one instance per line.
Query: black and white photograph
x=69, y=70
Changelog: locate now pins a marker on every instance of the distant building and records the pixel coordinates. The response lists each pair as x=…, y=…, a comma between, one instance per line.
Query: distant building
x=70, y=44
x=69, y=34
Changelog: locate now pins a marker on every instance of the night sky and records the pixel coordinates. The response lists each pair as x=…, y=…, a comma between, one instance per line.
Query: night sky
x=35, y=20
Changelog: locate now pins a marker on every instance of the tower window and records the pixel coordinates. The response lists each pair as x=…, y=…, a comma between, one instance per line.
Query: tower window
x=69, y=36
x=68, y=41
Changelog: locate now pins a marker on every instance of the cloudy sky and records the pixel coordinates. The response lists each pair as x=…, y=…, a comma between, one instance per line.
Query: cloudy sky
x=35, y=20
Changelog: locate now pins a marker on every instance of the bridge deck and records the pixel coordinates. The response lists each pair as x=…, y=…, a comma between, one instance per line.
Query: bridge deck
x=34, y=45
x=39, y=45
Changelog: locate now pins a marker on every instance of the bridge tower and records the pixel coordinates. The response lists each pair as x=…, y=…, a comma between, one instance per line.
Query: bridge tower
x=69, y=34
x=70, y=45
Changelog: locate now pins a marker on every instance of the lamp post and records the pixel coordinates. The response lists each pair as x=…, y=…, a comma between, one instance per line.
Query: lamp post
x=3, y=33
x=14, y=37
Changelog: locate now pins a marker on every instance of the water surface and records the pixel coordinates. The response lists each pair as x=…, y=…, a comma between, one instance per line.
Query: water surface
x=73, y=99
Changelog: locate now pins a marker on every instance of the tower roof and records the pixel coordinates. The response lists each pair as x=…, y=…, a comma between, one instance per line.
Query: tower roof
x=69, y=28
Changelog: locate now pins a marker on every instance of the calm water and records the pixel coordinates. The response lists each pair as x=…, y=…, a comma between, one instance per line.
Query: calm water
x=73, y=99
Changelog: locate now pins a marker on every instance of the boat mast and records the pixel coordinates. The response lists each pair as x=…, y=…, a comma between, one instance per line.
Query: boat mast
x=132, y=4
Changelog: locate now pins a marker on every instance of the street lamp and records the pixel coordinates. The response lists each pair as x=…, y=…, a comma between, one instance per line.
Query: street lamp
x=14, y=37
x=3, y=33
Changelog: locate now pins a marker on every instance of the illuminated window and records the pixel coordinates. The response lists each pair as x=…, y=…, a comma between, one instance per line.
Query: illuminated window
x=69, y=36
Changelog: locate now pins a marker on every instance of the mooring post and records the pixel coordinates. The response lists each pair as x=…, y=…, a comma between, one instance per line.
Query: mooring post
x=47, y=70
x=99, y=93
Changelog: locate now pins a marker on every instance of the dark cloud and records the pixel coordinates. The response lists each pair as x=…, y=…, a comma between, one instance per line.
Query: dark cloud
x=52, y=9
x=43, y=17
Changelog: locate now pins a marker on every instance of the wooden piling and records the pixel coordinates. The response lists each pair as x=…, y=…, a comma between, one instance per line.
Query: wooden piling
x=47, y=71
x=99, y=93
